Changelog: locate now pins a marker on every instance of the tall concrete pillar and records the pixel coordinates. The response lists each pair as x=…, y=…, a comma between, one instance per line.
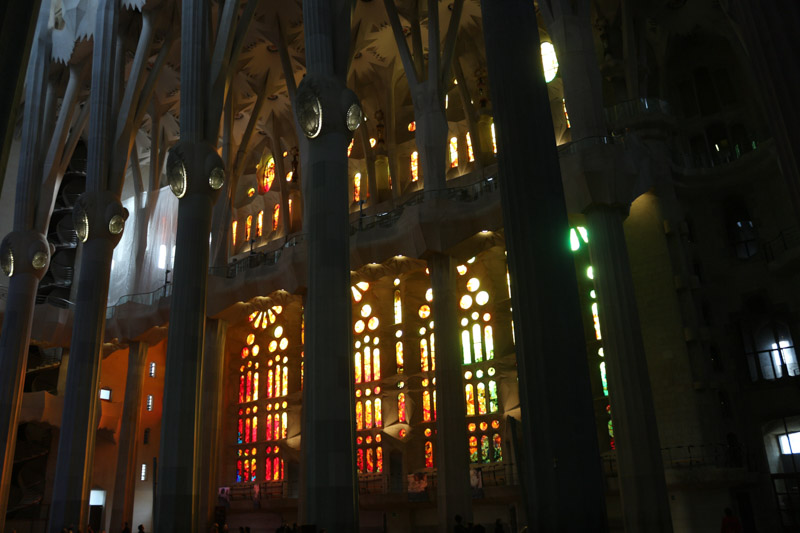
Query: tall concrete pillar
x=559, y=460
x=24, y=257
x=99, y=220
x=645, y=505
x=195, y=173
x=327, y=113
x=211, y=407
x=454, y=494
x=125, y=477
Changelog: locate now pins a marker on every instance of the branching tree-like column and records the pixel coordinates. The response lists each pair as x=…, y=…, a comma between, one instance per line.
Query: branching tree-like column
x=428, y=85
x=122, y=502
x=603, y=169
x=560, y=461
x=24, y=257
x=195, y=173
x=327, y=114
x=99, y=220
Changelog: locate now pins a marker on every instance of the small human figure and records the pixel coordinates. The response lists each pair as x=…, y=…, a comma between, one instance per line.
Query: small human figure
x=126, y=528
x=141, y=528
x=498, y=526
x=460, y=528
x=730, y=524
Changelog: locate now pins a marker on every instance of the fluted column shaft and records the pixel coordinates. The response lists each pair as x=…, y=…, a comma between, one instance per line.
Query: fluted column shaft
x=454, y=495
x=125, y=477
x=559, y=463
x=645, y=505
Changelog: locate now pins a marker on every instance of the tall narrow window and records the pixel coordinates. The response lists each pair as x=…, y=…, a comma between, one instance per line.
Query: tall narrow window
x=376, y=364
x=276, y=217
x=470, y=153
x=453, y=152
x=285, y=384
x=255, y=386
x=149, y=402
x=433, y=353
x=398, y=308
x=470, y=398
x=370, y=460
x=260, y=224
x=284, y=425
x=367, y=365
x=426, y=406
x=566, y=115
x=498, y=447
x=249, y=395
x=291, y=216
x=398, y=353
x=143, y=472
x=234, y=225
x=465, y=346
x=488, y=341
x=494, y=140
x=476, y=343
x=414, y=166
x=368, y=414
x=378, y=414
x=357, y=187
x=473, y=449
x=423, y=354
x=247, y=429
x=254, y=438
x=359, y=416
x=492, y=396
x=248, y=226
x=379, y=459
x=358, y=367
x=428, y=454
x=401, y=408
x=481, y=388
x=269, y=428
x=241, y=387
x=269, y=383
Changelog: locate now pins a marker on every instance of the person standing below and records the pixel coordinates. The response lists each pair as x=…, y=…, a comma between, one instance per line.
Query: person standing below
x=126, y=528
x=730, y=524
x=459, y=528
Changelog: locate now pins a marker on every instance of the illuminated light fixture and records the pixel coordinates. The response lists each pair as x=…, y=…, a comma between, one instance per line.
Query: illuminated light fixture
x=354, y=117
x=217, y=178
x=309, y=113
x=39, y=260
x=549, y=61
x=176, y=174
x=81, y=222
x=115, y=225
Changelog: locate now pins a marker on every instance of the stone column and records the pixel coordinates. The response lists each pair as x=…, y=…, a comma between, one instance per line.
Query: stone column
x=24, y=256
x=454, y=496
x=122, y=503
x=645, y=505
x=328, y=499
x=195, y=173
x=211, y=409
x=99, y=220
x=560, y=460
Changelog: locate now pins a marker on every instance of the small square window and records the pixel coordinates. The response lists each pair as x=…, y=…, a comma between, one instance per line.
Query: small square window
x=105, y=394
x=149, y=402
x=143, y=475
x=153, y=369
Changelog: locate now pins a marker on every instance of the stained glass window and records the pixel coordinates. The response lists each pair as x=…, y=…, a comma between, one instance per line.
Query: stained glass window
x=260, y=224
x=350, y=146
x=414, y=166
x=241, y=389
x=360, y=460
x=269, y=383
x=359, y=415
x=378, y=414
x=433, y=353
x=498, y=448
x=368, y=414
x=481, y=388
x=428, y=454
x=465, y=346
x=255, y=386
x=398, y=308
x=254, y=438
x=285, y=385
x=357, y=187
x=494, y=140
x=476, y=343
x=453, y=152
x=470, y=398
x=473, y=449
x=241, y=423
x=247, y=429
x=426, y=405
x=423, y=354
x=358, y=367
x=488, y=341
x=470, y=153
x=379, y=459
x=370, y=462
x=248, y=226
x=367, y=365
x=485, y=457
x=596, y=319
x=398, y=353
x=276, y=216
x=492, y=396
x=291, y=217
x=234, y=226
x=401, y=408
x=284, y=425
x=249, y=395
x=269, y=427
x=603, y=378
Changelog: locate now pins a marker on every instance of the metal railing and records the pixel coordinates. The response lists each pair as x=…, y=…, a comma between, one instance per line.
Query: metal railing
x=694, y=456
x=636, y=109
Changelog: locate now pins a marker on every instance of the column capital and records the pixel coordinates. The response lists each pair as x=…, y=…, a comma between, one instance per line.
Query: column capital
x=601, y=171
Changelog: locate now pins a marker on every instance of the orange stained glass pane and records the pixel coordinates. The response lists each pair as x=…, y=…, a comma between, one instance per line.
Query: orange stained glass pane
x=255, y=385
x=379, y=459
x=368, y=414
x=470, y=153
x=270, y=172
x=248, y=226
x=481, y=399
x=428, y=454
x=247, y=429
x=398, y=353
x=290, y=209
x=376, y=364
x=423, y=354
x=359, y=416
x=378, y=414
x=269, y=383
x=453, y=152
x=284, y=425
x=367, y=365
x=370, y=462
x=285, y=384
x=255, y=429
x=234, y=225
x=426, y=406
x=360, y=460
x=358, y=367
x=357, y=187
x=414, y=166
x=269, y=427
x=401, y=407
x=277, y=381
x=276, y=427
x=434, y=405
x=249, y=396
x=269, y=470
x=260, y=224
x=470, y=397
x=398, y=308
x=276, y=215
x=433, y=353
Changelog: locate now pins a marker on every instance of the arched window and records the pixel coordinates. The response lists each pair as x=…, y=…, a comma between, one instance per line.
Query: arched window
x=359, y=415
x=465, y=346
x=481, y=389
x=357, y=187
x=398, y=354
x=234, y=226
x=368, y=414
x=255, y=386
x=470, y=399
x=423, y=354
x=453, y=152
x=378, y=414
x=260, y=224
x=248, y=226
x=269, y=427
x=426, y=405
x=470, y=153
x=269, y=383
x=367, y=365
x=493, y=396
x=428, y=454
x=247, y=423
x=276, y=217
x=249, y=395
x=358, y=367
x=376, y=364
x=488, y=340
x=476, y=343
x=254, y=438
x=398, y=308
x=414, y=166
x=401, y=408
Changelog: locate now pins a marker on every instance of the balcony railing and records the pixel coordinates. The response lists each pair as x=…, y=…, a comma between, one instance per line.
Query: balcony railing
x=695, y=456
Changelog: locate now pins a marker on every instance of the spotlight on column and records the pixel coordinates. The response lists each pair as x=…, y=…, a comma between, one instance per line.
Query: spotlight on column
x=39, y=260
x=81, y=222
x=354, y=117
x=176, y=172
x=309, y=112
x=217, y=178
